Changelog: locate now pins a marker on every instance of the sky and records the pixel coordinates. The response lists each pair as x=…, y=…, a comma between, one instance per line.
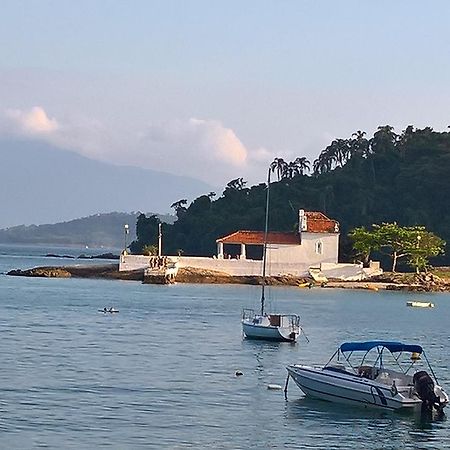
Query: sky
x=215, y=90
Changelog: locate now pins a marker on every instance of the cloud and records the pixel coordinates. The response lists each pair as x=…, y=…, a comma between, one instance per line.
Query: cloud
x=34, y=121
x=205, y=141
x=200, y=148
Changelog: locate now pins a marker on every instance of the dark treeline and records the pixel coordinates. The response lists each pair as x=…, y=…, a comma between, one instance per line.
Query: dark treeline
x=403, y=178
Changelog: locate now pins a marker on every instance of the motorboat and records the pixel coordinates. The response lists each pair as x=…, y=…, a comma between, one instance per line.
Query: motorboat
x=262, y=325
x=387, y=375
x=417, y=304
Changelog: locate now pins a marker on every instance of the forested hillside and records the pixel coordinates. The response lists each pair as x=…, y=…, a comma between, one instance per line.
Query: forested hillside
x=358, y=181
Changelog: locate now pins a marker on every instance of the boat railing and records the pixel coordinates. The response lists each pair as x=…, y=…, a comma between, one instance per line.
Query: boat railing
x=248, y=313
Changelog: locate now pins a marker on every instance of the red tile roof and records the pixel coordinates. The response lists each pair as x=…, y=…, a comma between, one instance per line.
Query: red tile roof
x=316, y=222
x=257, y=238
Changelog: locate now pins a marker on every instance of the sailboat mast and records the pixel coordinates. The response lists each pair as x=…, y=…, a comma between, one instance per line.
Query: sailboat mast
x=266, y=228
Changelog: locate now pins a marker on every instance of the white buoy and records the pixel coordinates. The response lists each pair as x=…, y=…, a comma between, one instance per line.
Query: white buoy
x=274, y=387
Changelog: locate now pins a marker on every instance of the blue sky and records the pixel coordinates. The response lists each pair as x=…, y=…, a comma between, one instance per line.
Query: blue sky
x=213, y=89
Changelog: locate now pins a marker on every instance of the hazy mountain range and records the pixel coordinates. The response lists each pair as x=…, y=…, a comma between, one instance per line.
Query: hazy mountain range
x=98, y=230
x=41, y=184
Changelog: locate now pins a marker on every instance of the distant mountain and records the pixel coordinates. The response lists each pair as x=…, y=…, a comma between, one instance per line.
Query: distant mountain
x=99, y=230
x=43, y=184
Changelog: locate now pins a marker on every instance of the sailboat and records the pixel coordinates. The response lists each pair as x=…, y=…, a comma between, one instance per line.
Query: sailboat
x=261, y=325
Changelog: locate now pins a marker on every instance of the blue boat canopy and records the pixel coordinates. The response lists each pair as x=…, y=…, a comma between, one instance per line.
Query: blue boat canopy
x=392, y=346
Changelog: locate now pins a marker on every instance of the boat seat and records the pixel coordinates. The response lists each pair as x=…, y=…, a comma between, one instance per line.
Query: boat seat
x=368, y=372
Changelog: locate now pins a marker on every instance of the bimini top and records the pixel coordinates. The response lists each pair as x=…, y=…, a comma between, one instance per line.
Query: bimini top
x=390, y=345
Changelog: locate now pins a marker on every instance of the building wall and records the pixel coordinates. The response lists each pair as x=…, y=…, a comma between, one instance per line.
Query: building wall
x=234, y=267
x=241, y=267
x=307, y=252
x=281, y=259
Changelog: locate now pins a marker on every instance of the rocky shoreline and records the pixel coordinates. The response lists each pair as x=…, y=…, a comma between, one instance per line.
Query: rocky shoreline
x=409, y=282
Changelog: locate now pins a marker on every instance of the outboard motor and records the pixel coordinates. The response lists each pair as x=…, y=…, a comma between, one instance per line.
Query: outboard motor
x=424, y=386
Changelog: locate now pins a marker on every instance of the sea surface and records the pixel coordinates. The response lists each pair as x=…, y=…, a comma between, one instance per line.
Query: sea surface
x=161, y=374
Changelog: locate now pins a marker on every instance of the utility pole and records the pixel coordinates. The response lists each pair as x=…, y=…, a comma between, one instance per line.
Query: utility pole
x=159, y=240
x=126, y=230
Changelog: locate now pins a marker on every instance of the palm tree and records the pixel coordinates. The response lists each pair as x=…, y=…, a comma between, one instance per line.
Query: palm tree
x=326, y=160
x=384, y=140
x=322, y=164
x=302, y=164
x=291, y=170
x=279, y=165
x=340, y=148
x=359, y=145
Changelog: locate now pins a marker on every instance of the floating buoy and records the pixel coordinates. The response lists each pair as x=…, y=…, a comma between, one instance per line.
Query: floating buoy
x=274, y=387
x=238, y=373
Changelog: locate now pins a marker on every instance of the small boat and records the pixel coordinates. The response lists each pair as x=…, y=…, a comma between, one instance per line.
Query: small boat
x=270, y=327
x=420, y=304
x=264, y=326
x=372, y=382
x=108, y=310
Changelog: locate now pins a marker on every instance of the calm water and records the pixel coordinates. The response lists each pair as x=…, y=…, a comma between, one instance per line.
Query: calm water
x=161, y=373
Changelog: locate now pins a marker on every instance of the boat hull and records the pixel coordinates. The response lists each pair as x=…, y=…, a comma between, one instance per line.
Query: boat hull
x=350, y=389
x=268, y=333
x=420, y=304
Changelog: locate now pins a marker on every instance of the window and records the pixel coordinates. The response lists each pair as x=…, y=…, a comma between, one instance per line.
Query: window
x=319, y=247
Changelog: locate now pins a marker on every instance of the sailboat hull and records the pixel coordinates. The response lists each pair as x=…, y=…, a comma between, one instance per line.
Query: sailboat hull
x=268, y=333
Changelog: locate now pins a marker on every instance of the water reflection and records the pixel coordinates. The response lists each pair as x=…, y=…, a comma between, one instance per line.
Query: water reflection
x=392, y=430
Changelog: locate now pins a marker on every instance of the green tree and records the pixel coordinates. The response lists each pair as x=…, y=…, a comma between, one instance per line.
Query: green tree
x=302, y=164
x=415, y=243
x=393, y=240
x=150, y=250
x=179, y=207
x=364, y=242
x=146, y=233
x=237, y=184
x=427, y=246
x=279, y=165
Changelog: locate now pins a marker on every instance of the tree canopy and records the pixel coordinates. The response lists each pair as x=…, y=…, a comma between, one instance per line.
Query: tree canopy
x=416, y=244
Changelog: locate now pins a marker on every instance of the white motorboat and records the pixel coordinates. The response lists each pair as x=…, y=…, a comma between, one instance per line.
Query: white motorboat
x=372, y=382
x=264, y=326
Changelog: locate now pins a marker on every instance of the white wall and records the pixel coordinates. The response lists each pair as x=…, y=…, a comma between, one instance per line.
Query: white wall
x=234, y=267
x=292, y=260
x=240, y=267
x=306, y=254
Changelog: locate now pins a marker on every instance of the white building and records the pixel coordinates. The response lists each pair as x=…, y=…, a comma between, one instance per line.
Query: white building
x=315, y=242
